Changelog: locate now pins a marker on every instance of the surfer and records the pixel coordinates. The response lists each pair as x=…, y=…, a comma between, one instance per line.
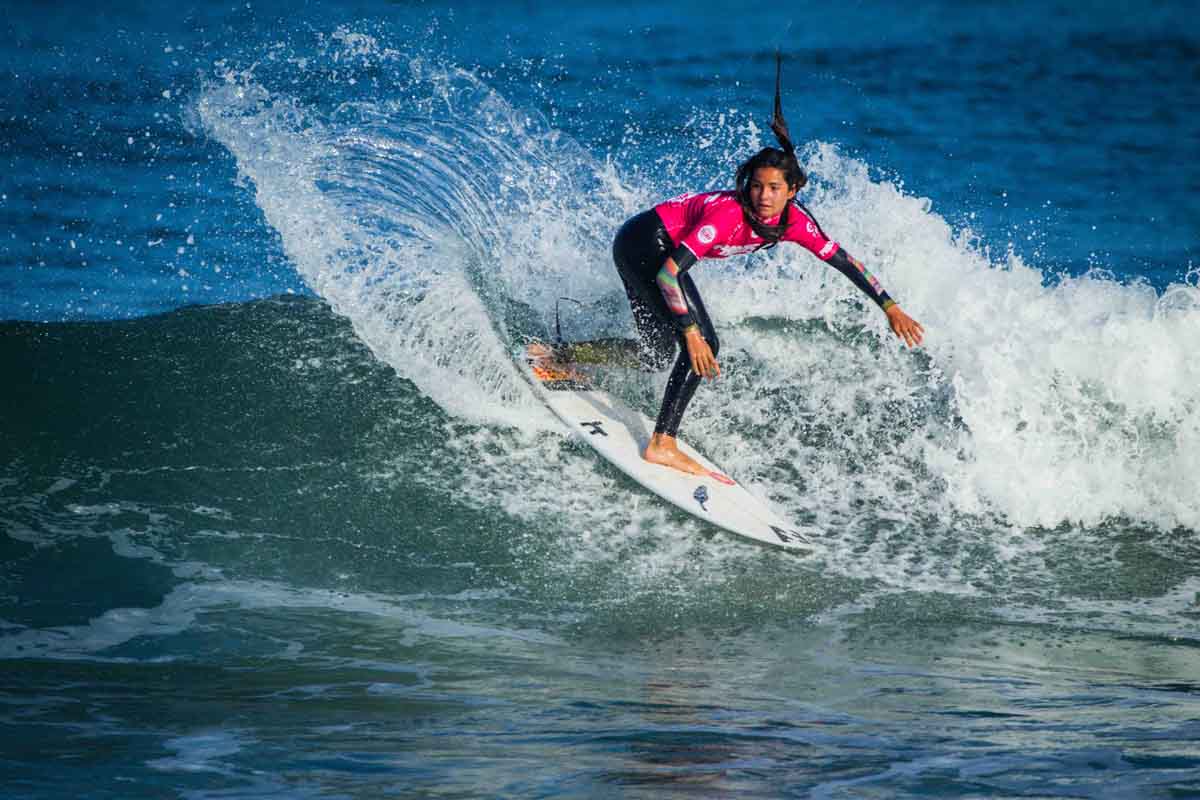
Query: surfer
x=655, y=249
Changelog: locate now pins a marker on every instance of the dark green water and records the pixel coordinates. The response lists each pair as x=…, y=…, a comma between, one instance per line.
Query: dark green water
x=244, y=558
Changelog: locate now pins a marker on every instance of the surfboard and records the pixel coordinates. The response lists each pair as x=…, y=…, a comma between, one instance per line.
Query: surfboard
x=620, y=435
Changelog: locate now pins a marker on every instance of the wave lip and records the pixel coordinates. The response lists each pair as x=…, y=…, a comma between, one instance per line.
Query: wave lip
x=432, y=220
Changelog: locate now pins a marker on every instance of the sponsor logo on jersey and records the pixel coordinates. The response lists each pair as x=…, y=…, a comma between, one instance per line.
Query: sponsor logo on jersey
x=812, y=229
x=829, y=249
x=727, y=250
x=706, y=234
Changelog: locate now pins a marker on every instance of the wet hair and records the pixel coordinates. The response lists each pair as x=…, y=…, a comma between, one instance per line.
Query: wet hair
x=783, y=160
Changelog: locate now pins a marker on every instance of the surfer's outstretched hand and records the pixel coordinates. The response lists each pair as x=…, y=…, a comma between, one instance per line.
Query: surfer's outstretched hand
x=905, y=327
x=704, y=363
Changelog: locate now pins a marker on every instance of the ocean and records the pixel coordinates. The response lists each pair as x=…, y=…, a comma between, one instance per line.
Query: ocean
x=281, y=518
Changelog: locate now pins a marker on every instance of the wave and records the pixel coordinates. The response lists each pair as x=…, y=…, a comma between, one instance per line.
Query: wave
x=444, y=222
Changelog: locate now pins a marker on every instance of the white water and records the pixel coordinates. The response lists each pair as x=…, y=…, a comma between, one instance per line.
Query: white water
x=444, y=223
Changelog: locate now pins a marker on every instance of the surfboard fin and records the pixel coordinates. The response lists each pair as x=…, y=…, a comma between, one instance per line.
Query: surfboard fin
x=558, y=337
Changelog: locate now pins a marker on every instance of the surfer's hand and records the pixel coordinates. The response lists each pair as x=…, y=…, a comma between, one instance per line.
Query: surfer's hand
x=704, y=363
x=904, y=326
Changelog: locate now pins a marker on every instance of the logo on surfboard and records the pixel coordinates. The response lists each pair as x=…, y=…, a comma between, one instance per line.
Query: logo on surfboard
x=701, y=496
x=595, y=428
x=725, y=479
x=789, y=536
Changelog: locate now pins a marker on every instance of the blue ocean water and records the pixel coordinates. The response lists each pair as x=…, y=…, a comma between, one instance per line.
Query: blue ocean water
x=281, y=519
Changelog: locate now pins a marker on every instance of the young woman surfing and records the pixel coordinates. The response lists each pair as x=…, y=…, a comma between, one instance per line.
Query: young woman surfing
x=655, y=249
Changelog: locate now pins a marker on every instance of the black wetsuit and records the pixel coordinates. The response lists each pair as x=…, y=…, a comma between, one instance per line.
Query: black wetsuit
x=663, y=297
x=639, y=250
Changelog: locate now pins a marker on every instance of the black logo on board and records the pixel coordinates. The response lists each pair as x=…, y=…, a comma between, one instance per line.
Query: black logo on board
x=701, y=496
x=790, y=537
x=595, y=428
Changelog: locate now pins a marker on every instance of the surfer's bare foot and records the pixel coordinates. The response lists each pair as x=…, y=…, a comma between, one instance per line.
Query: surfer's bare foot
x=538, y=350
x=663, y=450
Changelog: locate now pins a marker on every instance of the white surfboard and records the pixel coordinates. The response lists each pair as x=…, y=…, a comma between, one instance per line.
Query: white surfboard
x=620, y=434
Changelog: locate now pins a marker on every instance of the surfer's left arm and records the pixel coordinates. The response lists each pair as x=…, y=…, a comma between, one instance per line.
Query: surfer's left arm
x=805, y=231
x=904, y=326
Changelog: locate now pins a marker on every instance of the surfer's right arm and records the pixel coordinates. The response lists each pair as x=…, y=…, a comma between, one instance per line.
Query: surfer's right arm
x=699, y=353
x=668, y=283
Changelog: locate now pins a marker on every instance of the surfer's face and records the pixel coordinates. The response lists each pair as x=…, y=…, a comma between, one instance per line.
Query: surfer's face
x=769, y=192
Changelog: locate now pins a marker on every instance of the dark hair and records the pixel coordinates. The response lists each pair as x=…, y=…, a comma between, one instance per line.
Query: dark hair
x=783, y=160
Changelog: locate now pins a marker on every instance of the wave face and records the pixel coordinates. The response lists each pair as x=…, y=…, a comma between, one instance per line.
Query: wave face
x=444, y=223
x=281, y=518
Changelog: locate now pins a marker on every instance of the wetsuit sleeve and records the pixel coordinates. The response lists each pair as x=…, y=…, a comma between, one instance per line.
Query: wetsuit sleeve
x=668, y=283
x=853, y=269
x=808, y=234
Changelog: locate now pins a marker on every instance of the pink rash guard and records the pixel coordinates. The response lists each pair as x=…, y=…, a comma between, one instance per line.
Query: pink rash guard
x=711, y=226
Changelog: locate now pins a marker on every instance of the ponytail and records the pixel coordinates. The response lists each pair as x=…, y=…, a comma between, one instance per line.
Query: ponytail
x=782, y=159
x=778, y=123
